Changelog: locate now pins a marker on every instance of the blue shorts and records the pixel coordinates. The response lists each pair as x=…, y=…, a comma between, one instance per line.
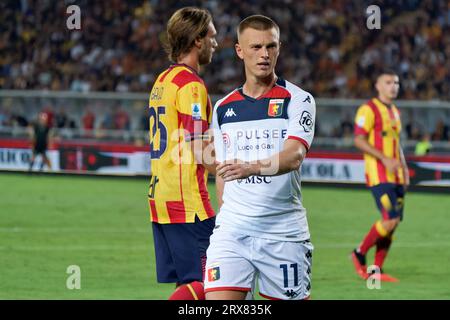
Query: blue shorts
x=180, y=250
x=389, y=198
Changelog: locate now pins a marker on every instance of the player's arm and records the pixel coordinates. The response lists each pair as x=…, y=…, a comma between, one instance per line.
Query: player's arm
x=203, y=151
x=289, y=159
x=362, y=144
x=300, y=133
x=219, y=149
x=404, y=166
x=31, y=135
x=52, y=137
x=220, y=184
x=30, y=131
x=194, y=107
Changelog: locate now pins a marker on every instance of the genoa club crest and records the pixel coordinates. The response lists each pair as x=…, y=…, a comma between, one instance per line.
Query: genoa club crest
x=275, y=107
x=213, y=274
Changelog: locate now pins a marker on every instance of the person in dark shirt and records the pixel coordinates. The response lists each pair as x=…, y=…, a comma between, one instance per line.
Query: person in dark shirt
x=40, y=132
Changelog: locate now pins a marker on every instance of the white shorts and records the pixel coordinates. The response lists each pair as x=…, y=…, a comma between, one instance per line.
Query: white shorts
x=236, y=261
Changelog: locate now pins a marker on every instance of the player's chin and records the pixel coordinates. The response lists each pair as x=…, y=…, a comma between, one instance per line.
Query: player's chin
x=205, y=62
x=263, y=73
x=205, y=59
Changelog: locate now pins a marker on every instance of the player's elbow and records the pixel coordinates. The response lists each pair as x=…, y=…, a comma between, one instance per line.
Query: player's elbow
x=295, y=165
x=296, y=161
x=211, y=168
x=357, y=141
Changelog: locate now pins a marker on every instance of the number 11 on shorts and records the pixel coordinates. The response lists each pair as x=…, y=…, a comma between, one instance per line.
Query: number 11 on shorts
x=285, y=274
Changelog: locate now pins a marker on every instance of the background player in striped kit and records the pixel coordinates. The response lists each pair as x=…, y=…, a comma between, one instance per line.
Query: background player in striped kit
x=180, y=113
x=377, y=135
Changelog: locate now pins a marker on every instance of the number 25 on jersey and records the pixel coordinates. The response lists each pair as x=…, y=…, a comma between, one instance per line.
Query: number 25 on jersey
x=158, y=132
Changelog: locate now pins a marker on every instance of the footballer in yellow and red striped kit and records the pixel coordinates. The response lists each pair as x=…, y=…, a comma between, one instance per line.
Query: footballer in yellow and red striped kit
x=377, y=135
x=180, y=112
x=381, y=125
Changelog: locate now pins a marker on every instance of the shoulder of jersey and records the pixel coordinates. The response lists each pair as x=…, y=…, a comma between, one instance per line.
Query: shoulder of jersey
x=296, y=91
x=286, y=88
x=180, y=76
x=232, y=96
x=370, y=104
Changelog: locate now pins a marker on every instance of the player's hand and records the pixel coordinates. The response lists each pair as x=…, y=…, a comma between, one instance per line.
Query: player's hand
x=391, y=164
x=235, y=169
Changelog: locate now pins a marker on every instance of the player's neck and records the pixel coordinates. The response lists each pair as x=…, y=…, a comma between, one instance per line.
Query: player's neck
x=256, y=87
x=191, y=60
x=385, y=100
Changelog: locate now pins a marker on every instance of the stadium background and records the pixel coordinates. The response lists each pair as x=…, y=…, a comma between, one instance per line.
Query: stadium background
x=94, y=83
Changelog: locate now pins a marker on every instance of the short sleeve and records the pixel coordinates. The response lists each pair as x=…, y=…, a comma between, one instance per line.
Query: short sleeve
x=194, y=108
x=219, y=146
x=302, y=116
x=364, y=120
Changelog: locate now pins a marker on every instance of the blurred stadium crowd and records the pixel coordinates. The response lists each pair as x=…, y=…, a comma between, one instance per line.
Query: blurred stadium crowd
x=326, y=47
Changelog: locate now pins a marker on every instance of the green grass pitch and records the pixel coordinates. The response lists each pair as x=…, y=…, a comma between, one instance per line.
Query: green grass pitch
x=48, y=223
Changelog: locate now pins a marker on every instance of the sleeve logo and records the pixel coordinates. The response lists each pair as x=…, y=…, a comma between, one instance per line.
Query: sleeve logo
x=194, y=91
x=361, y=121
x=196, y=111
x=213, y=274
x=306, y=121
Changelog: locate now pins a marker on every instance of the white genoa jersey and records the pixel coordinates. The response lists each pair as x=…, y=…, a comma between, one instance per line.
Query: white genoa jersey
x=253, y=129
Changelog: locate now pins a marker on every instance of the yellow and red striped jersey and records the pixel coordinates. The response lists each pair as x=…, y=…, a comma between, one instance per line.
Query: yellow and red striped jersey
x=381, y=124
x=179, y=111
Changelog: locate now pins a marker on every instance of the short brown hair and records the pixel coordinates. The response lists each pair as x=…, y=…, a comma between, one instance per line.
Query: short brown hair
x=383, y=72
x=386, y=71
x=258, y=22
x=184, y=27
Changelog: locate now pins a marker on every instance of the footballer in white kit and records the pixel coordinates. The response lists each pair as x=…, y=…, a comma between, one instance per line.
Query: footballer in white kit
x=261, y=230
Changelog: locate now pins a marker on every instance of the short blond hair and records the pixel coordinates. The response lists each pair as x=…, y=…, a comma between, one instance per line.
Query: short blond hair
x=258, y=22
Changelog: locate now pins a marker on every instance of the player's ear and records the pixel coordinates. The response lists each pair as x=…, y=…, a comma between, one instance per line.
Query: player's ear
x=198, y=42
x=377, y=85
x=238, y=48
